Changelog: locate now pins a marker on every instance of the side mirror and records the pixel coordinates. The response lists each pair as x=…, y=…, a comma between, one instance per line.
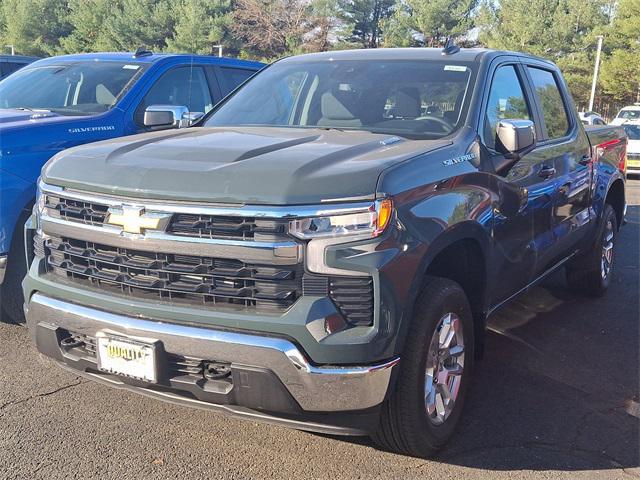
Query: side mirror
x=516, y=136
x=166, y=116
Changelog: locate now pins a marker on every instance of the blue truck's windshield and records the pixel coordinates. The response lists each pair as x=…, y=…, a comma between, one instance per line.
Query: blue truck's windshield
x=417, y=99
x=79, y=88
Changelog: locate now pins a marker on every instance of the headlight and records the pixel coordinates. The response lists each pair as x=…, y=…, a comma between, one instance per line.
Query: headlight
x=326, y=230
x=366, y=224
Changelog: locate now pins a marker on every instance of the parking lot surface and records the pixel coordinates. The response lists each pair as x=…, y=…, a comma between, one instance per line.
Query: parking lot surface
x=556, y=396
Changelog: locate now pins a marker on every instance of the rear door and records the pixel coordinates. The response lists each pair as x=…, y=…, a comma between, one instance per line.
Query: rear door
x=567, y=153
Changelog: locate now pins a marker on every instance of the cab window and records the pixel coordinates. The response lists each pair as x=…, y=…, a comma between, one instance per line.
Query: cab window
x=185, y=86
x=232, y=77
x=506, y=102
x=550, y=98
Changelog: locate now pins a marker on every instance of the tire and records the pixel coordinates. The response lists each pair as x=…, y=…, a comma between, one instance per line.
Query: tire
x=405, y=425
x=590, y=274
x=11, y=294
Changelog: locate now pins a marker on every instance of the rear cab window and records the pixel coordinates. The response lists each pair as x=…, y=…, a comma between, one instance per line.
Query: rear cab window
x=551, y=102
x=232, y=77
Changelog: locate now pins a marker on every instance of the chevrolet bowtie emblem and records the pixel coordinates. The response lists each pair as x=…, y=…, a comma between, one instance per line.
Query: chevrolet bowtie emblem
x=135, y=219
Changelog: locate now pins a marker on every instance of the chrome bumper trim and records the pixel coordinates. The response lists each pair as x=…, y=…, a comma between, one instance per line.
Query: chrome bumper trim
x=3, y=267
x=315, y=388
x=277, y=253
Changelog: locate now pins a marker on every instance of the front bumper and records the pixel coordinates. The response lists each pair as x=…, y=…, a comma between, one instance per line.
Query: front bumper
x=270, y=378
x=3, y=267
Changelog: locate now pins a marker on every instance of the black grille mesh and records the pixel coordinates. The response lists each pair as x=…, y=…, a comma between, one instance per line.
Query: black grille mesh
x=354, y=298
x=76, y=211
x=176, y=278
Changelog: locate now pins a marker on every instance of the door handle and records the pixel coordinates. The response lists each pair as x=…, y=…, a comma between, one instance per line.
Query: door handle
x=547, y=172
x=585, y=160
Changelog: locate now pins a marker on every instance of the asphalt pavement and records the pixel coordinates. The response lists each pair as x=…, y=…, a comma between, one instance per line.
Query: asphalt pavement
x=556, y=396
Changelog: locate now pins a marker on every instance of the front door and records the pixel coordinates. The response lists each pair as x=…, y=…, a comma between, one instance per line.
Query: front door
x=523, y=232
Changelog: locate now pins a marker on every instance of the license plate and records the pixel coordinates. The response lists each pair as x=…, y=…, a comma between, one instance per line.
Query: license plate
x=633, y=163
x=122, y=356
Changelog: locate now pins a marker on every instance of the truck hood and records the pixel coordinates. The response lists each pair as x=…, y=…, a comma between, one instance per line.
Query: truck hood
x=10, y=116
x=240, y=165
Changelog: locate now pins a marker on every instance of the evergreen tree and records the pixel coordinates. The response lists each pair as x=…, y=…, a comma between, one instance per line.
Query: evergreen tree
x=133, y=23
x=429, y=23
x=561, y=30
x=87, y=17
x=364, y=20
x=621, y=66
x=200, y=24
x=34, y=27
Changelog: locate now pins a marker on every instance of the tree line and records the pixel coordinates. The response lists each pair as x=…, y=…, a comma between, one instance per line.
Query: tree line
x=564, y=31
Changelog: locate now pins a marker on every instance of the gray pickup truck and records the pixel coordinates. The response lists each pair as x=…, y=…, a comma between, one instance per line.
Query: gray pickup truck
x=323, y=250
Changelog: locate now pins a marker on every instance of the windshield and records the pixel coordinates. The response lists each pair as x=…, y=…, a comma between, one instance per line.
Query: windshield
x=416, y=99
x=84, y=88
x=630, y=114
x=633, y=131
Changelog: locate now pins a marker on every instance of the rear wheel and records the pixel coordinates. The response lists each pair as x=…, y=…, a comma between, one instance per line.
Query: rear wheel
x=591, y=273
x=421, y=414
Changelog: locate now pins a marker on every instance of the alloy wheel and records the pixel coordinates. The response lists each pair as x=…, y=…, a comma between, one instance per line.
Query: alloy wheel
x=444, y=368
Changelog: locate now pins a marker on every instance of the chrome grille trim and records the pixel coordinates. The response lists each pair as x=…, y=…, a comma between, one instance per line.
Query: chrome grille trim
x=266, y=211
x=275, y=253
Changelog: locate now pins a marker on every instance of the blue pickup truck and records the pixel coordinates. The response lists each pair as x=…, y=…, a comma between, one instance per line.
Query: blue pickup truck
x=60, y=102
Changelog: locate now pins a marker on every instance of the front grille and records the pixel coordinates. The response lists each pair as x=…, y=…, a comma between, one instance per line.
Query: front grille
x=196, y=280
x=77, y=211
x=227, y=227
x=175, y=278
x=633, y=156
x=181, y=224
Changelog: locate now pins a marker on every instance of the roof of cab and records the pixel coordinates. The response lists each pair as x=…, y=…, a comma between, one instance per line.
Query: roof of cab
x=464, y=55
x=145, y=58
x=18, y=58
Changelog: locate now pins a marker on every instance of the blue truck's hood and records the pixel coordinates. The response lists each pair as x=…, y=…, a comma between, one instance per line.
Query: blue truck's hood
x=9, y=117
x=28, y=138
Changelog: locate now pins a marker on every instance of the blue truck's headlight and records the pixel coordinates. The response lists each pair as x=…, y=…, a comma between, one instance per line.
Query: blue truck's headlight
x=368, y=223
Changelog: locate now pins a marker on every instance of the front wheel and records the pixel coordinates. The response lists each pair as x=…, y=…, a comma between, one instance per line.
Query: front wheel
x=591, y=273
x=421, y=414
x=11, y=298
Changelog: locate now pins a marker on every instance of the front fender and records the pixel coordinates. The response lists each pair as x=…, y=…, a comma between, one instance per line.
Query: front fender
x=16, y=194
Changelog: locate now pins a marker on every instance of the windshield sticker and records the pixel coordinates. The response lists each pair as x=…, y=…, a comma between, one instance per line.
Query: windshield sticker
x=455, y=68
x=131, y=67
x=101, y=128
x=460, y=159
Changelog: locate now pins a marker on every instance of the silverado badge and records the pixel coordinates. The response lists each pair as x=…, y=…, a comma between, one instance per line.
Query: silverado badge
x=135, y=219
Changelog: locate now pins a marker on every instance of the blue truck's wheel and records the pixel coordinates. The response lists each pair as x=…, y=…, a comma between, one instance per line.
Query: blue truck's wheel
x=11, y=295
x=422, y=412
x=590, y=274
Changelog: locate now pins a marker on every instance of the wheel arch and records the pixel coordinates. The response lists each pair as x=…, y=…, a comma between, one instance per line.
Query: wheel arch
x=460, y=254
x=615, y=198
